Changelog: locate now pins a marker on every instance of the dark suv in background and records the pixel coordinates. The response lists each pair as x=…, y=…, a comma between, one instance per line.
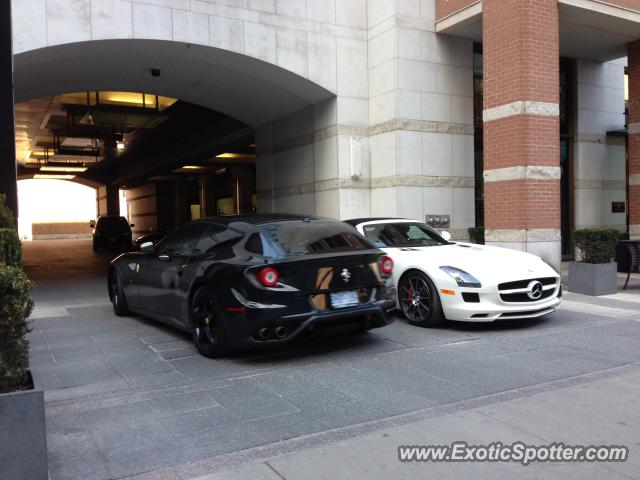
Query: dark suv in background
x=111, y=231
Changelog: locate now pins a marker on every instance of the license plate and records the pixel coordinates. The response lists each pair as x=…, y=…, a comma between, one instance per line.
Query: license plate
x=344, y=299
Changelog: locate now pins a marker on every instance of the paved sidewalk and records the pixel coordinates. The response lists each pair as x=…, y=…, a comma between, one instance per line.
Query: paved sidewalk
x=129, y=398
x=596, y=409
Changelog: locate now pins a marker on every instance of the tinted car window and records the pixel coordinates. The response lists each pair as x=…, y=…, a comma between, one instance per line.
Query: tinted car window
x=402, y=235
x=181, y=242
x=111, y=224
x=254, y=244
x=308, y=237
x=214, y=238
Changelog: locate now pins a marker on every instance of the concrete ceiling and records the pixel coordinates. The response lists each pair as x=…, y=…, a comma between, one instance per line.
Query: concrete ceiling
x=595, y=35
x=599, y=35
x=30, y=117
x=239, y=86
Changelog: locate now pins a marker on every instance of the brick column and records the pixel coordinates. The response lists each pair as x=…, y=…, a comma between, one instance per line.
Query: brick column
x=633, y=54
x=521, y=126
x=207, y=198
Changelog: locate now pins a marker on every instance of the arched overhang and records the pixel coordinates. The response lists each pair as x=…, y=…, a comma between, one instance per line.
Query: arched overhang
x=242, y=87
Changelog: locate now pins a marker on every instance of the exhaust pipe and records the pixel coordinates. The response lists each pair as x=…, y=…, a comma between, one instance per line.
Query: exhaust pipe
x=281, y=332
x=264, y=334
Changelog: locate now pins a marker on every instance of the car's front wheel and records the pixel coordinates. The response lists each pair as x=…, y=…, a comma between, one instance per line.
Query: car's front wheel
x=419, y=300
x=118, y=298
x=206, y=327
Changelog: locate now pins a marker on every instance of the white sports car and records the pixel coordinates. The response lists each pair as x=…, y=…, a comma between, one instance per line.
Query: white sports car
x=437, y=279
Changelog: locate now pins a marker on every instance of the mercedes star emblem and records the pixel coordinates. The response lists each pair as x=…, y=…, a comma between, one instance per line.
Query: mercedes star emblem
x=535, y=290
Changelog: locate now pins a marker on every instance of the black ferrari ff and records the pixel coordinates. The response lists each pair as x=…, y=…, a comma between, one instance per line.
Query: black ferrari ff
x=242, y=281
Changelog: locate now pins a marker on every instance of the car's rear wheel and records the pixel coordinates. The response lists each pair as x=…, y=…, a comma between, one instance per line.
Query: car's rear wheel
x=419, y=300
x=118, y=298
x=206, y=327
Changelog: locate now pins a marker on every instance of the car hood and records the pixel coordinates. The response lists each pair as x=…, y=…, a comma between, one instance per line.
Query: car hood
x=486, y=263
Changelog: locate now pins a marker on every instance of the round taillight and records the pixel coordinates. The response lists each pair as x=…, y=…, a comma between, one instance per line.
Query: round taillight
x=268, y=277
x=386, y=265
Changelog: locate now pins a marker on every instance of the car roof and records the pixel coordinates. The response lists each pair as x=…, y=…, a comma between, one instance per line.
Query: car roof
x=258, y=219
x=357, y=221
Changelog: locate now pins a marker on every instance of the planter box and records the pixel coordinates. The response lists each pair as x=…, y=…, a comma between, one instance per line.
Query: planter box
x=593, y=278
x=23, y=437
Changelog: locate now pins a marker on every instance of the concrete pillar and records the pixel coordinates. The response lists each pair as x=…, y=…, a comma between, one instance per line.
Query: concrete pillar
x=521, y=126
x=633, y=53
x=8, y=176
x=421, y=151
x=599, y=160
x=143, y=208
x=113, y=200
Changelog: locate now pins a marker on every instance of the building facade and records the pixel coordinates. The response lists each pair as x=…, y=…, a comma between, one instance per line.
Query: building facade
x=508, y=114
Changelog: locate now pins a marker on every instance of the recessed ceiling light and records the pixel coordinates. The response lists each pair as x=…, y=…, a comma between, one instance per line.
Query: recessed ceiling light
x=51, y=168
x=192, y=167
x=230, y=155
x=41, y=153
x=120, y=145
x=41, y=176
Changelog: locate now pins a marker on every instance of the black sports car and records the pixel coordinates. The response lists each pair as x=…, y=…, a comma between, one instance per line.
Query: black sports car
x=235, y=282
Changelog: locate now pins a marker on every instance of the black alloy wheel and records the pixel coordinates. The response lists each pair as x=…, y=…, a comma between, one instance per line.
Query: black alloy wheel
x=206, y=328
x=118, y=298
x=419, y=300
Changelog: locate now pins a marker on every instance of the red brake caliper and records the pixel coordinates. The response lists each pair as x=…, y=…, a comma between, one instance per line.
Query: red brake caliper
x=410, y=294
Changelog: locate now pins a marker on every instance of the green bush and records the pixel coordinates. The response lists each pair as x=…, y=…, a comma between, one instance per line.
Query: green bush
x=7, y=220
x=10, y=247
x=15, y=308
x=596, y=245
x=476, y=234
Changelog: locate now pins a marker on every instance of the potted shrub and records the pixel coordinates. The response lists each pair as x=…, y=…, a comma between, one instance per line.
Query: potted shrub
x=476, y=235
x=595, y=273
x=21, y=406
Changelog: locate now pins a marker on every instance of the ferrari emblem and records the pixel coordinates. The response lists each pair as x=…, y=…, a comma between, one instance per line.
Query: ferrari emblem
x=345, y=274
x=134, y=267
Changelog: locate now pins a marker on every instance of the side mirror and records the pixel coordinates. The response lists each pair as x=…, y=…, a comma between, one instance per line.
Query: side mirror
x=132, y=225
x=147, y=248
x=446, y=235
x=92, y=224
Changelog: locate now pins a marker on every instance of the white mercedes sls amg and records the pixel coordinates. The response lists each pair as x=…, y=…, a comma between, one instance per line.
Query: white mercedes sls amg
x=437, y=279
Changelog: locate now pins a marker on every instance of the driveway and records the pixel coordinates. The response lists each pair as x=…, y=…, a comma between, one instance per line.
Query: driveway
x=126, y=396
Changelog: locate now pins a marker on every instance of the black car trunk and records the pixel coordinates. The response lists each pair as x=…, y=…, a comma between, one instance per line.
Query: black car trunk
x=318, y=276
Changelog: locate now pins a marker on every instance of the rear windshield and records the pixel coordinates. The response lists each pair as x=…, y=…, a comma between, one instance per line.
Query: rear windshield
x=405, y=234
x=289, y=238
x=113, y=223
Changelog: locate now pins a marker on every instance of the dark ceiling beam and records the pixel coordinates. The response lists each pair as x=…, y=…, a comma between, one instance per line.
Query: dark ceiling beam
x=200, y=145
